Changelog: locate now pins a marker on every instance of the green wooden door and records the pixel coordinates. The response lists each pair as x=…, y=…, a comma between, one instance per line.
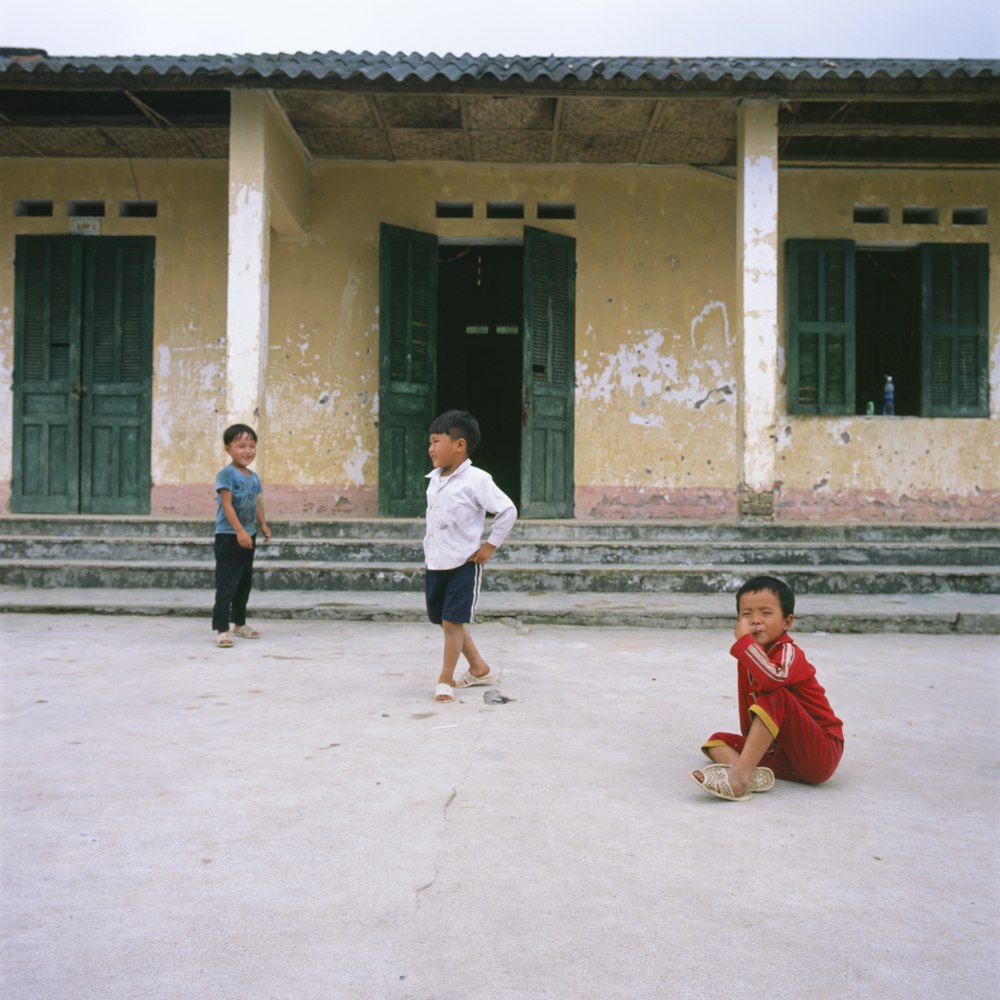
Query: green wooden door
x=407, y=367
x=82, y=373
x=548, y=375
x=47, y=390
x=117, y=374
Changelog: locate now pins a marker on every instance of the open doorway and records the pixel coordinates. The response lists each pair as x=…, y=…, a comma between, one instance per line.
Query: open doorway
x=887, y=340
x=488, y=328
x=479, y=356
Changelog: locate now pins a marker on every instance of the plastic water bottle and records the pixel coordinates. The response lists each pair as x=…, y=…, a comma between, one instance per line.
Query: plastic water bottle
x=889, y=398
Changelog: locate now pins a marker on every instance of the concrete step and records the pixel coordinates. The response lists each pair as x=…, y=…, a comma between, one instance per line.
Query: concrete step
x=845, y=613
x=517, y=551
x=637, y=572
x=554, y=530
x=277, y=574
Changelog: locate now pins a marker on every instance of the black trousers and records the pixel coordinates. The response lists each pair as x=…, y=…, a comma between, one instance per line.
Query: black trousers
x=233, y=580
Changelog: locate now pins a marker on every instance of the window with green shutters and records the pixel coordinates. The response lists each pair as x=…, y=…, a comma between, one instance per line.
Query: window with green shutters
x=937, y=346
x=821, y=326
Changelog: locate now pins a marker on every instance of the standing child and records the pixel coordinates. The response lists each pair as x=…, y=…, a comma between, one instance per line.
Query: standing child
x=785, y=719
x=238, y=510
x=459, y=497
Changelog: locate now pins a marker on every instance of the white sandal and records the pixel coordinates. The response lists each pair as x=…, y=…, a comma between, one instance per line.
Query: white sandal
x=715, y=781
x=761, y=778
x=469, y=679
x=444, y=693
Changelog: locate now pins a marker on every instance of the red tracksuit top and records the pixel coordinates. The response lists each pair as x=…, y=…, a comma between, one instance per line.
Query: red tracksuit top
x=781, y=665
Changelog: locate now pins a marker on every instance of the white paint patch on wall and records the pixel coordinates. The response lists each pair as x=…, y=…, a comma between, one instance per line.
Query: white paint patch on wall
x=702, y=317
x=355, y=462
x=783, y=438
x=203, y=383
x=650, y=369
x=639, y=367
x=639, y=420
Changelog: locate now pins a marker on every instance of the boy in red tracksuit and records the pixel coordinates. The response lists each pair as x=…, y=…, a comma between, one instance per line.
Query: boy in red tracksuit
x=786, y=721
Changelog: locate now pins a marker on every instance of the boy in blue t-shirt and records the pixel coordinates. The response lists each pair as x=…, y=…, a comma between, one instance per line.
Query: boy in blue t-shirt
x=238, y=510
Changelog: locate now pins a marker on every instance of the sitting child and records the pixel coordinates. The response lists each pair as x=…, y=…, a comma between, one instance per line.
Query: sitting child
x=786, y=722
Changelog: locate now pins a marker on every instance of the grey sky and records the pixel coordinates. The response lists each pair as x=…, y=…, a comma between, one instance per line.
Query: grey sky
x=860, y=28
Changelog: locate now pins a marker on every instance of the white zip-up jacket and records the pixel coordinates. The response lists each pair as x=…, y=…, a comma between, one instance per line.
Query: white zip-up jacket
x=457, y=506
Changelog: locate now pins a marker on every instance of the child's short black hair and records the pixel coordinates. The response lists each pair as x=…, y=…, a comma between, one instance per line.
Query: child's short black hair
x=234, y=431
x=779, y=588
x=458, y=424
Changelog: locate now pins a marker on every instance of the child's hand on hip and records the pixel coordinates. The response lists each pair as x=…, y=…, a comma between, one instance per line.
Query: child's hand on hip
x=483, y=553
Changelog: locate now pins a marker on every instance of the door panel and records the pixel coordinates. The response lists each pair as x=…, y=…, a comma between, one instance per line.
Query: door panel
x=117, y=372
x=46, y=375
x=82, y=374
x=407, y=366
x=548, y=375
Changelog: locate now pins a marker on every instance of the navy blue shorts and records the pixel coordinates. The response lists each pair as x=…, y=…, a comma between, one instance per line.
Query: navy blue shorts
x=452, y=594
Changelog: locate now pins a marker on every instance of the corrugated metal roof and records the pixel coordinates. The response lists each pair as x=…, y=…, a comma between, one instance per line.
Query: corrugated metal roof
x=402, y=67
x=495, y=109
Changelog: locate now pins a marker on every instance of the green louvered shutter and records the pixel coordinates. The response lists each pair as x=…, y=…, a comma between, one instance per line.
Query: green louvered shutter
x=821, y=326
x=548, y=380
x=954, y=377
x=407, y=367
x=117, y=373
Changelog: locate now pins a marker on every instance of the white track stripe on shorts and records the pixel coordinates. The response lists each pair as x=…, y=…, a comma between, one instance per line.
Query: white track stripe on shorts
x=477, y=584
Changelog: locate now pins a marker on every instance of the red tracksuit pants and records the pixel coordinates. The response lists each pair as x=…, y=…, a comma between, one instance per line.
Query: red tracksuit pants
x=802, y=750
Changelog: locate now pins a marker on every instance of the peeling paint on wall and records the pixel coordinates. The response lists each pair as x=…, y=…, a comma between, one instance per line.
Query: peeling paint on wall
x=204, y=379
x=355, y=462
x=639, y=366
x=247, y=301
x=657, y=334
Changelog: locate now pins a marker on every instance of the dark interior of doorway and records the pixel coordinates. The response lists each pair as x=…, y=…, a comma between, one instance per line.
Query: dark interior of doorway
x=479, y=351
x=887, y=340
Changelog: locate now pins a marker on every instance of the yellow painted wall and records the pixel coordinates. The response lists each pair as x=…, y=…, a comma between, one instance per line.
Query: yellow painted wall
x=656, y=431
x=655, y=407
x=908, y=465
x=190, y=300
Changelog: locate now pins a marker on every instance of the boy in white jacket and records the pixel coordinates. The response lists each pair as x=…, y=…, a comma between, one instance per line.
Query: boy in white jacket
x=459, y=496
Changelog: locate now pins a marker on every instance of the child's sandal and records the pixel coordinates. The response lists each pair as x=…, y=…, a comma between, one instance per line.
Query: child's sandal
x=245, y=632
x=224, y=640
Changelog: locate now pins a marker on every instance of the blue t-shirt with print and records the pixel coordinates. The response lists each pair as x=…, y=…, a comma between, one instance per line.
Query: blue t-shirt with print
x=245, y=490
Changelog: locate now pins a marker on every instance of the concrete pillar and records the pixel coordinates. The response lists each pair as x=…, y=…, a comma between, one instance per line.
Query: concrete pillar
x=249, y=258
x=757, y=302
x=268, y=186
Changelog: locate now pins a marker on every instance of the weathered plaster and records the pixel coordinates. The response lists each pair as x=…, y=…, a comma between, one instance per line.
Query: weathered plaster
x=885, y=468
x=188, y=386
x=657, y=321
x=655, y=409
x=757, y=289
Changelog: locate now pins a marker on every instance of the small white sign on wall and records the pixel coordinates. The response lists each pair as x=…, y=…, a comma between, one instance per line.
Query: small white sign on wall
x=85, y=227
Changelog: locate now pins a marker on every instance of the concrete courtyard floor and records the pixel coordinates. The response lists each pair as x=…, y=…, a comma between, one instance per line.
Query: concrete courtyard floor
x=296, y=819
